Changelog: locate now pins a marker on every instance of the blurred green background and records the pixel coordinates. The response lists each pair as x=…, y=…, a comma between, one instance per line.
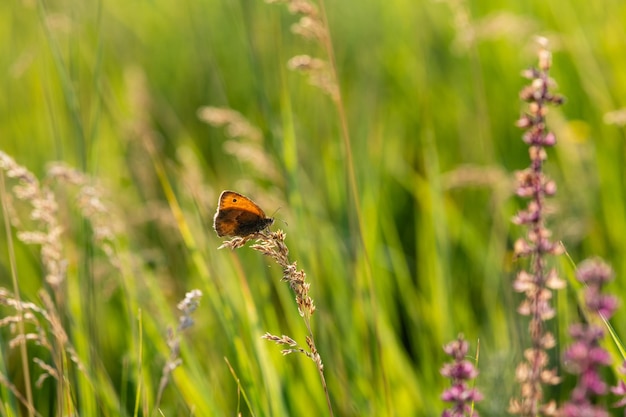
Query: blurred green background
x=430, y=88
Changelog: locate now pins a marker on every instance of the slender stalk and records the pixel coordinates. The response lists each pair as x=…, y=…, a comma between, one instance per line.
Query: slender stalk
x=18, y=304
x=538, y=282
x=272, y=244
x=354, y=191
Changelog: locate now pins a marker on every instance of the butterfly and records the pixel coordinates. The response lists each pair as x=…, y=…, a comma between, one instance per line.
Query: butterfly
x=237, y=215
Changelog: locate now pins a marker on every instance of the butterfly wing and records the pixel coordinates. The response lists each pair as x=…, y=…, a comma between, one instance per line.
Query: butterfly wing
x=249, y=223
x=236, y=222
x=237, y=215
x=225, y=222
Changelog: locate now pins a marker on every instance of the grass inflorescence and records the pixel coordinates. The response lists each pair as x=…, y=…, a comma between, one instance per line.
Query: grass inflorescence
x=272, y=244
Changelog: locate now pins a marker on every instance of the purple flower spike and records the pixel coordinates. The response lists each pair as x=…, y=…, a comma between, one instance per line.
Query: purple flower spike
x=460, y=371
x=538, y=281
x=585, y=357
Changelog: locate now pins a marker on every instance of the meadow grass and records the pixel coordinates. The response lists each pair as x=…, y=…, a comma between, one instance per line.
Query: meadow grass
x=382, y=132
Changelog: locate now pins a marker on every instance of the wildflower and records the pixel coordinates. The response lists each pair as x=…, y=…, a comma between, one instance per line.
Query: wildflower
x=538, y=282
x=585, y=357
x=460, y=371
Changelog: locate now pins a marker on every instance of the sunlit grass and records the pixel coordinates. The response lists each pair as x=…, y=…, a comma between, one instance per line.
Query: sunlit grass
x=405, y=247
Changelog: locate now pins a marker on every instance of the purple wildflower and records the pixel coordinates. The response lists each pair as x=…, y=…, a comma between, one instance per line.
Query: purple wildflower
x=460, y=371
x=585, y=357
x=538, y=282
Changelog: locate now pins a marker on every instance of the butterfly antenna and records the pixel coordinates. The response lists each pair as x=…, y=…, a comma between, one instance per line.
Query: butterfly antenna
x=274, y=216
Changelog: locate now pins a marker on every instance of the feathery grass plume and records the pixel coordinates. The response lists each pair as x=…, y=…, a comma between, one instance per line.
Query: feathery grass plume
x=585, y=357
x=41, y=226
x=272, y=244
x=246, y=143
x=318, y=72
x=460, y=371
x=44, y=324
x=9, y=216
x=47, y=229
x=311, y=26
x=538, y=282
x=43, y=212
x=187, y=306
x=46, y=331
x=92, y=206
x=469, y=30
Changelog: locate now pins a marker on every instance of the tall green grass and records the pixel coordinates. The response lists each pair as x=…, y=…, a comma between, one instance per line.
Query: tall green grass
x=404, y=247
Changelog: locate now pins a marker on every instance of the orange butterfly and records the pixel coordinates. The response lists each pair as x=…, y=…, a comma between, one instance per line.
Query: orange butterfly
x=237, y=215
